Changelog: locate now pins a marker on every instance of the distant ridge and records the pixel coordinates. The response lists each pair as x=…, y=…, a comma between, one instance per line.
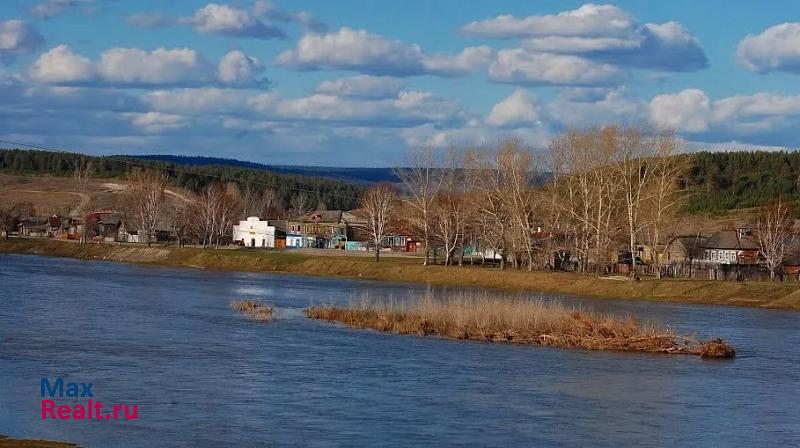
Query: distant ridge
x=359, y=175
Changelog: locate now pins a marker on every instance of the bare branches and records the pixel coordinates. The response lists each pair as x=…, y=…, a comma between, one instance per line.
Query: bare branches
x=147, y=196
x=774, y=234
x=376, y=212
x=422, y=182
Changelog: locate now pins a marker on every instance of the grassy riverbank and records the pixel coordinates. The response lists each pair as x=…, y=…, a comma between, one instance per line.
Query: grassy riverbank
x=488, y=318
x=754, y=294
x=31, y=443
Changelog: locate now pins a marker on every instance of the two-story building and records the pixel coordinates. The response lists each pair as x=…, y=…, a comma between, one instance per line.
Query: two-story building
x=322, y=229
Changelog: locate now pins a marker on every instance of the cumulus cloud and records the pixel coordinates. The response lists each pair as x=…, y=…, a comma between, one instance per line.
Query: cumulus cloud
x=588, y=20
x=61, y=65
x=362, y=86
x=227, y=20
x=519, y=109
x=603, y=33
x=688, y=110
x=236, y=68
x=775, y=49
x=134, y=67
x=17, y=37
x=372, y=54
x=518, y=66
x=762, y=118
x=595, y=106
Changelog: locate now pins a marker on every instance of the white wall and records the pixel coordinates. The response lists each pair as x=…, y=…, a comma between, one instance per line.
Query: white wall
x=254, y=233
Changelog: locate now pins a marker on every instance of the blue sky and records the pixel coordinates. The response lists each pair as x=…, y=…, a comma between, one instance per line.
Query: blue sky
x=356, y=83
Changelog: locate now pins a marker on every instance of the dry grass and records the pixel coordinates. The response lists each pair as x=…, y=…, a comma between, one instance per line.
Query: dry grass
x=253, y=309
x=519, y=321
x=784, y=295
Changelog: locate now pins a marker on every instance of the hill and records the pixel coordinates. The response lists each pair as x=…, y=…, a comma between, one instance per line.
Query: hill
x=318, y=191
x=357, y=175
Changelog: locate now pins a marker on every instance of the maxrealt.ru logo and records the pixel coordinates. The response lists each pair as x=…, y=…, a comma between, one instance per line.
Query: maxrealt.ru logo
x=92, y=409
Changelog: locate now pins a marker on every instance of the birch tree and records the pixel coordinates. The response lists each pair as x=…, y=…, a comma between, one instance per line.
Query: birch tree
x=376, y=212
x=147, y=196
x=666, y=191
x=774, y=234
x=422, y=183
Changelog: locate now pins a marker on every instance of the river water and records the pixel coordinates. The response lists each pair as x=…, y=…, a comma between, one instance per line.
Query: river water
x=202, y=375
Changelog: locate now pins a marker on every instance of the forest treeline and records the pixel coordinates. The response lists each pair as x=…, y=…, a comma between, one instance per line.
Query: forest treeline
x=316, y=191
x=717, y=181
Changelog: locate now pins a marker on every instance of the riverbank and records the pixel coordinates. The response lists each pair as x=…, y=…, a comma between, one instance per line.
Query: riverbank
x=486, y=317
x=31, y=443
x=397, y=269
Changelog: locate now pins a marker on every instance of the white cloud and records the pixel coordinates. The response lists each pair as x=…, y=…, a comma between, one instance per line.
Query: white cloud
x=17, y=36
x=134, y=67
x=776, y=49
x=372, y=54
x=765, y=118
x=588, y=20
x=236, y=68
x=61, y=65
x=688, y=110
x=351, y=49
x=362, y=86
x=227, y=20
x=519, y=109
x=583, y=107
x=468, y=61
x=603, y=33
x=157, y=122
x=518, y=66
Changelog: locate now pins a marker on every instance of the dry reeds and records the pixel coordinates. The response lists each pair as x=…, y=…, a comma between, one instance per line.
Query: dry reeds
x=517, y=321
x=253, y=309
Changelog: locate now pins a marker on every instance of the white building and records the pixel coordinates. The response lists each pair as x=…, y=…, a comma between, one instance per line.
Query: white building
x=254, y=233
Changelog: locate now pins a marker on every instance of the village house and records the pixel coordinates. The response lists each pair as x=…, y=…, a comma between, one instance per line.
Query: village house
x=730, y=247
x=684, y=248
x=322, y=229
x=253, y=232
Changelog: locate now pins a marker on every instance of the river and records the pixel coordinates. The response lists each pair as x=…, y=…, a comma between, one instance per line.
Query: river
x=202, y=375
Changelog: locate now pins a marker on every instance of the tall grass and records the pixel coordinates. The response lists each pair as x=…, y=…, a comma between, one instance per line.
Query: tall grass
x=484, y=317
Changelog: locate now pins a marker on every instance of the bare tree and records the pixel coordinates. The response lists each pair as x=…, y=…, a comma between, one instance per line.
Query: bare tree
x=422, y=183
x=299, y=203
x=774, y=234
x=147, y=197
x=84, y=171
x=634, y=164
x=207, y=212
x=376, y=212
x=666, y=190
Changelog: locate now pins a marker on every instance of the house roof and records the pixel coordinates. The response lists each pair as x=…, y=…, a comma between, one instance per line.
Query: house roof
x=689, y=241
x=326, y=216
x=729, y=239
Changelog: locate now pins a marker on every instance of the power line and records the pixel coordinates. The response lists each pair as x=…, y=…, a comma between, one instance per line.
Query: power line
x=196, y=172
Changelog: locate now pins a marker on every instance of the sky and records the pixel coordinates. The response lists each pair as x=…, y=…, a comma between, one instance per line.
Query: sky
x=358, y=83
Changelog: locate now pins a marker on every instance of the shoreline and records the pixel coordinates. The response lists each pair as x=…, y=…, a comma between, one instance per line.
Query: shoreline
x=775, y=295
